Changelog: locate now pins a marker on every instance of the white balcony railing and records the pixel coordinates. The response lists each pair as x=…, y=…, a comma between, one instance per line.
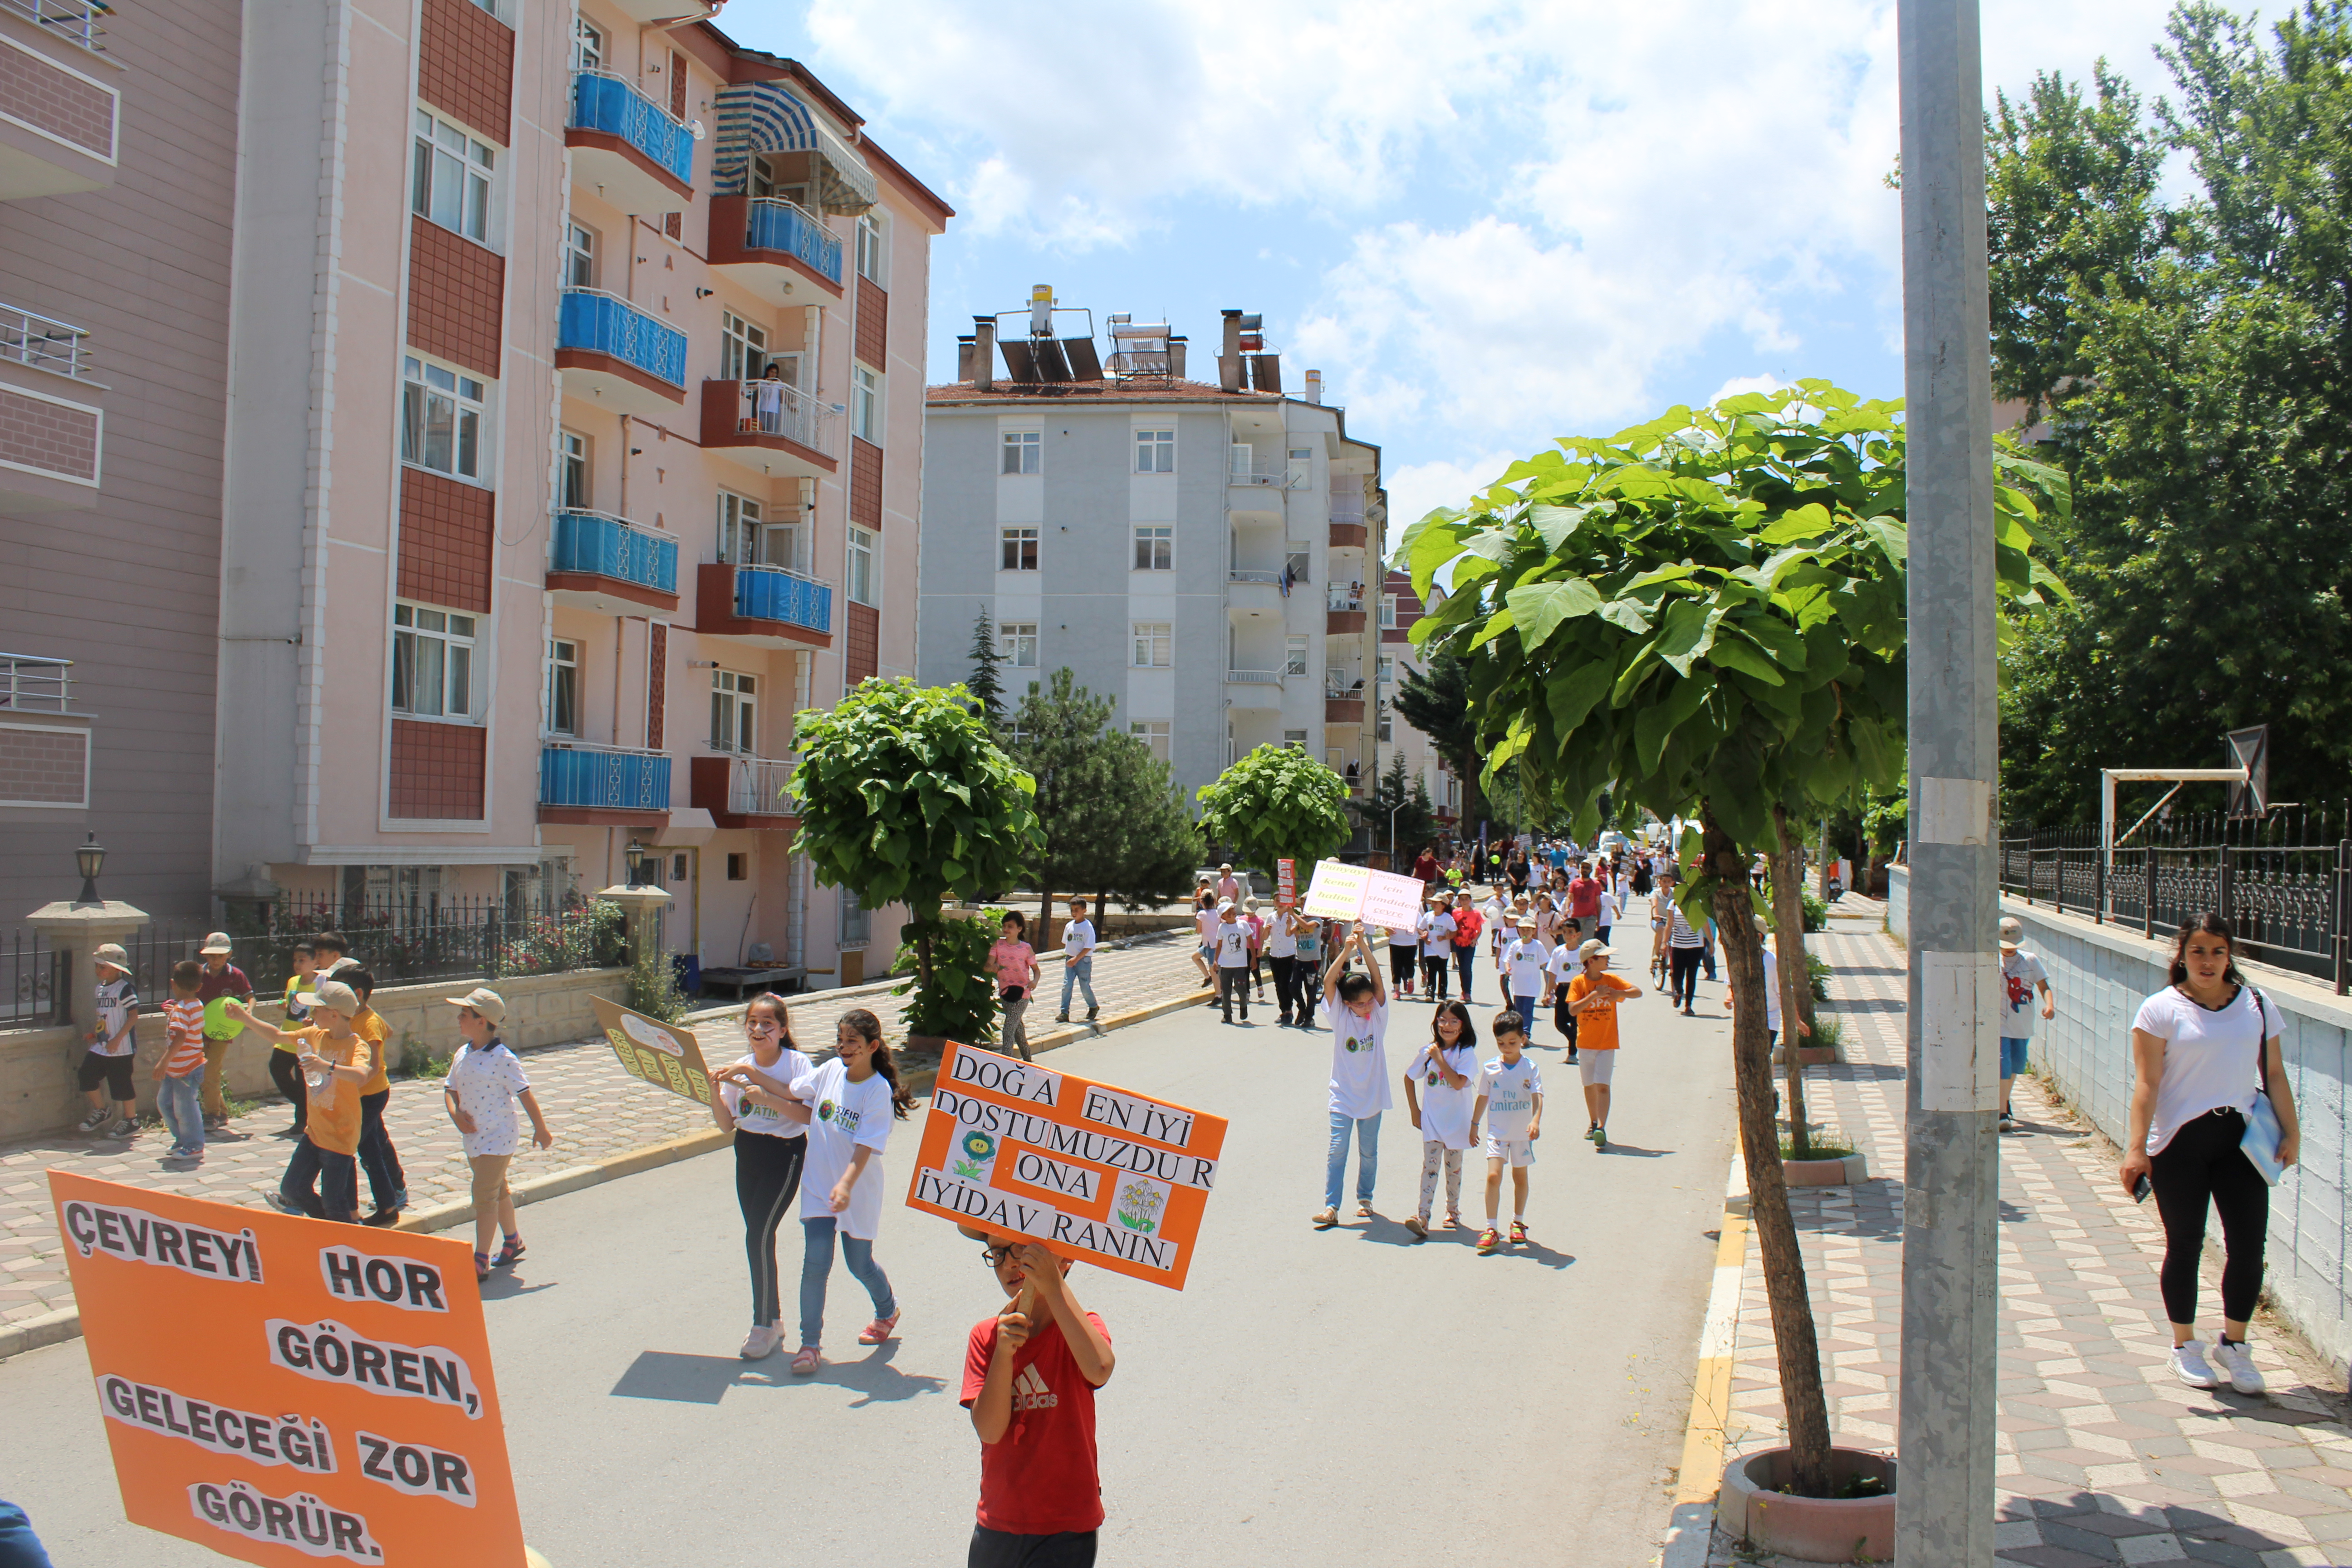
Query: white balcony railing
x=31, y=684
x=1347, y=602
x=1255, y=474
x=756, y=787
x=1247, y=574
x=1335, y=684
x=76, y=21
x=1254, y=677
x=43, y=344
x=1349, y=511
x=780, y=408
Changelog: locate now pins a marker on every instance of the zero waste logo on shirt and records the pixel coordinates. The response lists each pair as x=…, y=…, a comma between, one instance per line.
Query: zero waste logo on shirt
x=840, y=1115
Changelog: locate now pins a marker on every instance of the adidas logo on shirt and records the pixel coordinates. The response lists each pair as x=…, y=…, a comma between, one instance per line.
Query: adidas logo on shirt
x=1030, y=1393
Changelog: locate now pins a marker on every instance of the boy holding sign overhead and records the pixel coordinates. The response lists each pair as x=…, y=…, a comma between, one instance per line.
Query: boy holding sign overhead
x=1029, y=1378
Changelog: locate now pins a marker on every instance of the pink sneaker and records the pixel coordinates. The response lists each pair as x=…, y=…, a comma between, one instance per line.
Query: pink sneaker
x=881, y=1330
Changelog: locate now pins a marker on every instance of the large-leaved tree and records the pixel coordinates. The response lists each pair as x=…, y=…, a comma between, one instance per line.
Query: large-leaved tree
x=1276, y=802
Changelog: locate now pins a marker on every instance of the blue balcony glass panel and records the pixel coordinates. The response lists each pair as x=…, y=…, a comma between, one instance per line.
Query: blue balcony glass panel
x=765, y=594
x=591, y=542
x=602, y=101
x=782, y=226
x=599, y=323
x=614, y=781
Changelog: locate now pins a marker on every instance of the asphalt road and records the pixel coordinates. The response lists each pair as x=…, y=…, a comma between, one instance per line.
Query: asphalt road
x=1313, y=1397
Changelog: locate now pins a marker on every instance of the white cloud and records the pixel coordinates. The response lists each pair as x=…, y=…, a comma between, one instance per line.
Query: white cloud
x=1739, y=383
x=1416, y=489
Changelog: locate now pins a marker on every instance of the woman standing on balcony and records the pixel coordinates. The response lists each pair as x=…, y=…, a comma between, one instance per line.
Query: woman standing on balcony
x=2207, y=1050
x=771, y=1128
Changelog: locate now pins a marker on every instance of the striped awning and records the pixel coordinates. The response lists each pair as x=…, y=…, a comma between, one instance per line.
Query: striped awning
x=756, y=117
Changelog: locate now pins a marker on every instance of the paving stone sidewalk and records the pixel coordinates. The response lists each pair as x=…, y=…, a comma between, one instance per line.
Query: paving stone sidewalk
x=597, y=1113
x=2103, y=1456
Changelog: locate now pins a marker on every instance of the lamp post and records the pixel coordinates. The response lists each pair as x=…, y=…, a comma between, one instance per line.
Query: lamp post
x=88, y=858
x=636, y=855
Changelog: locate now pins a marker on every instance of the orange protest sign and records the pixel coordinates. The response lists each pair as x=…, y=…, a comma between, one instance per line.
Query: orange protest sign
x=1095, y=1172
x=285, y=1390
x=661, y=1054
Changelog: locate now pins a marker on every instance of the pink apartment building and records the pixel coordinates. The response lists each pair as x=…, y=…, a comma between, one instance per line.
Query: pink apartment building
x=574, y=442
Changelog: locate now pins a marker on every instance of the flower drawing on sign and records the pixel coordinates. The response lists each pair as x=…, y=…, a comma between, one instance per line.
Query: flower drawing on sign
x=979, y=1148
x=1138, y=1206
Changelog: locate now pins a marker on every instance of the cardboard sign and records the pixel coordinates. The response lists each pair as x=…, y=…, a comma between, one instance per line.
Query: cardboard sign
x=286, y=1391
x=662, y=1053
x=1286, y=881
x=1095, y=1172
x=1344, y=892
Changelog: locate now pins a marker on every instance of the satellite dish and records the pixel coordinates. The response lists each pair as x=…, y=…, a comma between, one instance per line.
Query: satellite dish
x=696, y=126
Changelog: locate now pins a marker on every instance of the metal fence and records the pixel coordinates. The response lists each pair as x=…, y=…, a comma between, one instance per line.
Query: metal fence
x=34, y=978
x=2283, y=880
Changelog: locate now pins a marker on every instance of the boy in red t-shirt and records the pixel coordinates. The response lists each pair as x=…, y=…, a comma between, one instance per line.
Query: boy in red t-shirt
x=1031, y=1391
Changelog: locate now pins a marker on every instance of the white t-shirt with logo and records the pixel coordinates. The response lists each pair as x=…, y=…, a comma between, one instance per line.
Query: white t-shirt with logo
x=1359, y=1062
x=1445, y=1113
x=1524, y=960
x=1077, y=937
x=843, y=1116
x=1281, y=942
x=1563, y=965
x=2211, y=1056
x=1233, y=944
x=1510, y=1090
x=1437, y=935
x=2022, y=977
x=118, y=1000
x=750, y=1115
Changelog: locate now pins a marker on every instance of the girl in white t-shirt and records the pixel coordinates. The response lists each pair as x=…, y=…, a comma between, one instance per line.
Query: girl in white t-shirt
x=854, y=1099
x=2206, y=1047
x=1440, y=1088
x=755, y=1102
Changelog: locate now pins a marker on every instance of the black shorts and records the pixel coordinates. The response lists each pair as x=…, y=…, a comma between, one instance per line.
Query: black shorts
x=1001, y=1549
x=112, y=1071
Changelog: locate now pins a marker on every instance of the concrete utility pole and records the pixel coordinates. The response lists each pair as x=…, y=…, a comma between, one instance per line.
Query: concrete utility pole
x=1952, y=1161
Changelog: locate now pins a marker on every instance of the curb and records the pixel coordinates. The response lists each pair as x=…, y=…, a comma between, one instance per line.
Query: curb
x=1691, y=1528
x=53, y=1327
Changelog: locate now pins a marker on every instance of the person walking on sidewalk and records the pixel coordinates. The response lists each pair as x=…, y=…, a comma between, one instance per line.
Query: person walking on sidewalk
x=1078, y=949
x=284, y=1071
x=1404, y=948
x=1593, y=998
x=1448, y=1065
x=1282, y=957
x=1510, y=1087
x=2021, y=977
x=181, y=1069
x=1561, y=970
x=1308, y=966
x=485, y=1083
x=1233, y=961
x=113, y=1047
x=2207, y=1048
x=1014, y=963
x=755, y=1102
x=857, y=1097
x=1436, y=930
x=1467, y=924
x=1684, y=944
x=1359, y=1005
x=223, y=982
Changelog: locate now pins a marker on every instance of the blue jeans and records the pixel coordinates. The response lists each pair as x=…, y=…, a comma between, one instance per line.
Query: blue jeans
x=1367, y=1156
x=817, y=1267
x=322, y=1183
x=1080, y=974
x=1525, y=1007
x=2013, y=1056
x=181, y=1101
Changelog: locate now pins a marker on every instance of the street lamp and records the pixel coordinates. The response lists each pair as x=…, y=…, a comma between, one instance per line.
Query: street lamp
x=89, y=857
x=636, y=864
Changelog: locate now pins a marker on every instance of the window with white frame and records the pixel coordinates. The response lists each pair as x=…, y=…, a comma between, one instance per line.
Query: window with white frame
x=587, y=46
x=1155, y=451
x=562, y=686
x=579, y=255
x=572, y=470
x=1388, y=612
x=734, y=711
x=866, y=404
x=1152, y=733
x=1017, y=641
x=1022, y=450
x=871, y=263
x=432, y=664
x=1387, y=672
x=1295, y=738
x=1017, y=549
x=441, y=418
x=451, y=181
x=1155, y=547
x=864, y=583
x=739, y=529
x=1294, y=661
x=1388, y=727
x=857, y=924
x=1153, y=640
x=742, y=348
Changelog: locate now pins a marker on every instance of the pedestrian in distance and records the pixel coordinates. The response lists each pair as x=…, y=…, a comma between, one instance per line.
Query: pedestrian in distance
x=1229, y=887
x=1306, y=966
x=1593, y=998
x=323, y=1176
x=222, y=983
x=1609, y=904
x=2210, y=1092
x=284, y=1071
x=1661, y=903
x=1583, y=903
x=180, y=1071
x=1405, y=952
x=1467, y=924
x=1684, y=944
x=1496, y=921
x=106, y=1067
x=379, y=1161
x=856, y=1097
x=1233, y=961
x=1282, y=958
x=1522, y=969
x=1511, y=1102
x=1204, y=948
x=1014, y=963
x=1358, y=1007
x=1030, y=1372
x=756, y=1103
x=1078, y=970
x=2022, y=978
x=1436, y=931
x=1448, y=1069
x=1561, y=970
x=1256, y=924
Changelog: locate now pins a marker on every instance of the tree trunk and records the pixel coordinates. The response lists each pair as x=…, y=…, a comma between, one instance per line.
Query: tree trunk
x=1045, y=913
x=1795, y=983
x=1828, y=861
x=1767, y=1190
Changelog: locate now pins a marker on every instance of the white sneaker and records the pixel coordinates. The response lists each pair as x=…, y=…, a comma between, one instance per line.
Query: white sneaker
x=94, y=1120
x=761, y=1341
x=2188, y=1364
x=2239, y=1363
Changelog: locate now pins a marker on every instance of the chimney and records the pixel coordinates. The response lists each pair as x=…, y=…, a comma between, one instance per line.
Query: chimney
x=1229, y=359
x=1315, y=386
x=984, y=353
x=1176, y=358
x=963, y=358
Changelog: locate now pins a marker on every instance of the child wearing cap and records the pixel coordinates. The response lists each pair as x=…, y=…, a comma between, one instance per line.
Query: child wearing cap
x=221, y=984
x=112, y=1047
x=1232, y=940
x=485, y=1081
x=1593, y=1000
x=182, y=1065
x=1521, y=965
x=2022, y=975
x=323, y=1177
x=1078, y=960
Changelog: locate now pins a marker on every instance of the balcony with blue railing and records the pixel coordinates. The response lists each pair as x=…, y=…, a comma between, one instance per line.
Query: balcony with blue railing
x=767, y=606
x=766, y=242
x=627, y=147
x=625, y=359
x=607, y=786
x=609, y=564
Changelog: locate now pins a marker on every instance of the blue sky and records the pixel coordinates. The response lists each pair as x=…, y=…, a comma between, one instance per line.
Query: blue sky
x=1488, y=224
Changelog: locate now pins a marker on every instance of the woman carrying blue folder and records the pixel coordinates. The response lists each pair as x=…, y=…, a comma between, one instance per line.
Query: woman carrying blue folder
x=2212, y=1120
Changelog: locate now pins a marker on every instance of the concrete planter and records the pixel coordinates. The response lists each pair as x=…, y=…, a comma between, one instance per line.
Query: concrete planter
x=1826, y=1172
x=1816, y=1529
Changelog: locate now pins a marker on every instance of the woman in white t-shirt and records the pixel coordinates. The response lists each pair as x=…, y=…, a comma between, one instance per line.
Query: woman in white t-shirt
x=755, y=1102
x=855, y=1096
x=1282, y=957
x=2206, y=1047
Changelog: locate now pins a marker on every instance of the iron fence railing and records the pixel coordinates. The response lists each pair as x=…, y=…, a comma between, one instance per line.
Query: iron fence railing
x=2282, y=881
x=33, y=980
x=27, y=338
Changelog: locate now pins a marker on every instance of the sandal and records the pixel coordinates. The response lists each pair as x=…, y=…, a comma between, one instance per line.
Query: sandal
x=1326, y=1218
x=481, y=1267
x=1418, y=1225
x=507, y=1253
x=1488, y=1240
x=1519, y=1232
x=805, y=1361
x=1363, y=1208
x=878, y=1332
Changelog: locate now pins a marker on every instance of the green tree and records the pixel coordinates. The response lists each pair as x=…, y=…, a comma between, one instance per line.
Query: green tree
x=987, y=682
x=1063, y=741
x=1706, y=611
x=1161, y=848
x=906, y=798
x=1276, y=802
x=1406, y=794
x=1436, y=701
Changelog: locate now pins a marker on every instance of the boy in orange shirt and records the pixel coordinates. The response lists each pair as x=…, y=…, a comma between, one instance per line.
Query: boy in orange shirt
x=180, y=1071
x=322, y=1179
x=1593, y=1000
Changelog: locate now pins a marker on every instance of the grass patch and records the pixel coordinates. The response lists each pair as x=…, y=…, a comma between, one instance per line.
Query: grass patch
x=1829, y=1143
x=1827, y=1031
